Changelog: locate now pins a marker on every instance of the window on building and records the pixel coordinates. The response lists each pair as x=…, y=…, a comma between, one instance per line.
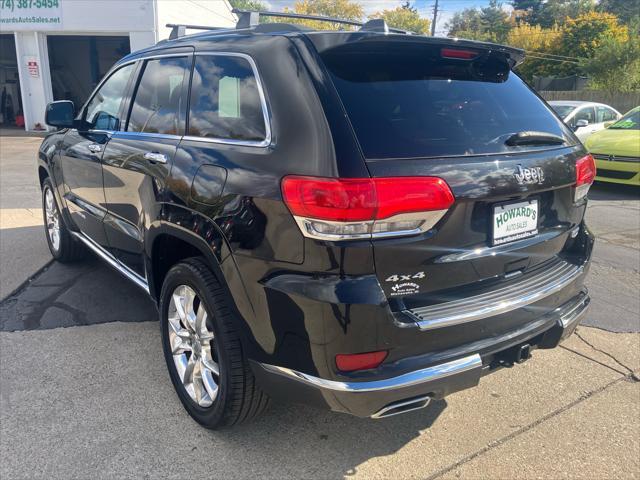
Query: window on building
x=606, y=114
x=158, y=106
x=103, y=111
x=587, y=113
x=225, y=101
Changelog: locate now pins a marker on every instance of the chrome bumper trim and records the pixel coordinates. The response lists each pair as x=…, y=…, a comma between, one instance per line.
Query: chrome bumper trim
x=576, y=312
x=417, y=377
x=516, y=295
x=111, y=260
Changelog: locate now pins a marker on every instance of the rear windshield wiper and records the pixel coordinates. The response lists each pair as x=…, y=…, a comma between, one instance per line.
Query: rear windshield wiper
x=534, y=138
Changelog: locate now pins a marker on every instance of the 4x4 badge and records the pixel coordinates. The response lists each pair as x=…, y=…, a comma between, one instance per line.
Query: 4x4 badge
x=529, y=175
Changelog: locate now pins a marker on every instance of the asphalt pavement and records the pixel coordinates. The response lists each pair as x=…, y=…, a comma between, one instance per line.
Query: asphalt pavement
x=84, y=391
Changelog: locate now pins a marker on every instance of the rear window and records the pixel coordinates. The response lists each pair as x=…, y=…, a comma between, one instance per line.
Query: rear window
x=563, y=110
x=406, y=101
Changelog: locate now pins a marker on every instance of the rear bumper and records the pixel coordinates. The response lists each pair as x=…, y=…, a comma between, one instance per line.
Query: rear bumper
x=384, y=397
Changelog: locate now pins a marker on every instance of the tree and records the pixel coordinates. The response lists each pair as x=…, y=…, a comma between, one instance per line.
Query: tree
x=495, y=21
x=627, y=11
x=343, y=9
x=584, y=34
x=615, y=65
x=555, y=12
x=404, y=17
x=252, y=5
x=537, y=42
x=491, y=23
x=466, y=24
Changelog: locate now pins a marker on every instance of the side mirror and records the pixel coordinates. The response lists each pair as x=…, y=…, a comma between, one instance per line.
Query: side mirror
x=60, y=114
x=581, y=123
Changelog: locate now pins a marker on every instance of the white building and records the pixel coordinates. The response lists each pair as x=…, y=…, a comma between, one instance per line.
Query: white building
x=60, y=49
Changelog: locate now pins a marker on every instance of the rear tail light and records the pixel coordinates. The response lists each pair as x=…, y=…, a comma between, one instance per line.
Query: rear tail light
x=346, y=209
x=585, y=175
x=360, y=361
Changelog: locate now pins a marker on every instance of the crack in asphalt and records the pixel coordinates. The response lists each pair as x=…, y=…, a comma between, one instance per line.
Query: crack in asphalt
x=501, y=441
x=630, y=371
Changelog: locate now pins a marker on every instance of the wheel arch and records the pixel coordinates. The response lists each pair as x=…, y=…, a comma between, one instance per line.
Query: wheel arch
x=168, y=243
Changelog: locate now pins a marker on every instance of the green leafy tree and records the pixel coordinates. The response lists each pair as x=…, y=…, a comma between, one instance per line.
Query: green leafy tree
x=466, y=24
x=343, y=9
x=490, y=23
x=406, y=18
x=615, y=65
x=627, y=11
x=555, y=12
x=252, y=5
x=495, y=22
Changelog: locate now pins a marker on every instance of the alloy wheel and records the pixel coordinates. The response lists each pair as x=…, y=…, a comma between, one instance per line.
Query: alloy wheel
x=192, y=346
x=53, y=219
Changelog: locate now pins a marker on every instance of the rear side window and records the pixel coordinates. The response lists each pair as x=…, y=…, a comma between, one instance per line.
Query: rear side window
x=407, y=101
x=158, y=106
x=225, y=100
x=605, y=114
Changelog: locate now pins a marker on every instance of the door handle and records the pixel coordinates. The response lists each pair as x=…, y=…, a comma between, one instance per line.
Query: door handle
x=155, y=157
x=95, y=148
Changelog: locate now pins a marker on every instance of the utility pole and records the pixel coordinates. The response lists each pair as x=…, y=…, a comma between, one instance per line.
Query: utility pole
x=435, y=19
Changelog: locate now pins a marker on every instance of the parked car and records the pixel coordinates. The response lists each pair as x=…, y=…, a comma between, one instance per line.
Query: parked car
x=617, y=150
x=362, y=221
x=585, y=118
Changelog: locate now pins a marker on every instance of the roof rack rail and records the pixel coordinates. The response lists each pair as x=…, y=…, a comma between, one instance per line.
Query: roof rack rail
x=250, y=19
x=179, y=29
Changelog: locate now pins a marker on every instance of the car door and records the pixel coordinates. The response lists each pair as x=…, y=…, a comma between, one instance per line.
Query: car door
x=588, y=114
x=82, y=150
x=138, y=158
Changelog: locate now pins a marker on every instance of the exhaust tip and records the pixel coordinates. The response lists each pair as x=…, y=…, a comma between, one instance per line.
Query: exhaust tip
x=402, y=406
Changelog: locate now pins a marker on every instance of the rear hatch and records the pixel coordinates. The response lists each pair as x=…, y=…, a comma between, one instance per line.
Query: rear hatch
x=456, y=111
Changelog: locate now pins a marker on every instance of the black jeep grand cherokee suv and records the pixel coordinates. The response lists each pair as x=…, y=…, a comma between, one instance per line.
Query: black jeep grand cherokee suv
x=358, y=220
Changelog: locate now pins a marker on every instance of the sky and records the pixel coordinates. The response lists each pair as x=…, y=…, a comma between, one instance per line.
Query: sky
x=446, y=8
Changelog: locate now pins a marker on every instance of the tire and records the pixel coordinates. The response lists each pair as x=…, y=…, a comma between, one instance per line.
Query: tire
x=63, y=247
x=195, y=347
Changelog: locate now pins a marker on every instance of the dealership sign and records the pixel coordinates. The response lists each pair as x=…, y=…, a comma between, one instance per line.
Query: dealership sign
x=30, y=14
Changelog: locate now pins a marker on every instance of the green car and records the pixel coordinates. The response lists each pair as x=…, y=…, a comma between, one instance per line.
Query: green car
x=617, y=150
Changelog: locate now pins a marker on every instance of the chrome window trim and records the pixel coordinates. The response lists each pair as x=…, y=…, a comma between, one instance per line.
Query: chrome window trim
x=263, y=104
x=167, y=136
x=417, y=377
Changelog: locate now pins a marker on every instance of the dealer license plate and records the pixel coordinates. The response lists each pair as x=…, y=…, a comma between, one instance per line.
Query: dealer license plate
x=515, y=221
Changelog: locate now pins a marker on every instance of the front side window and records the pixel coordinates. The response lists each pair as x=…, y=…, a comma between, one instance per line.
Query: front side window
x=587, y=114
x=158, y=106
x=225, y=100
x=102, y=112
